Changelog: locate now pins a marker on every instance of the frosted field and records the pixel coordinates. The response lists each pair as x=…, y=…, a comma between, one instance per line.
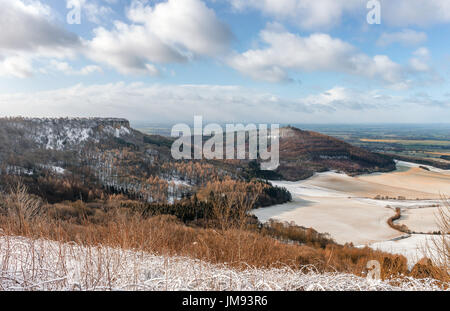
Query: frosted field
x=346, y=220
x=423, y=220
x=43, y=265
x=344, y=206
x=413, y=248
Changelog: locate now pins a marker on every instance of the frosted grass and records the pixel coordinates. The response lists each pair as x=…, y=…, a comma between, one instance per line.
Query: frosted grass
x=41, y=265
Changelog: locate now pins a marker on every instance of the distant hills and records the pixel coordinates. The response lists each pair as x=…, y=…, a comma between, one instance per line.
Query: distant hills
x=64, y=133
x=107, y=152
x=303, y=153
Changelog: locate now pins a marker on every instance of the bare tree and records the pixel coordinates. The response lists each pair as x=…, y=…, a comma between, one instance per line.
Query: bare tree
x=232, y=201
x=439, y=248
x=22, y=206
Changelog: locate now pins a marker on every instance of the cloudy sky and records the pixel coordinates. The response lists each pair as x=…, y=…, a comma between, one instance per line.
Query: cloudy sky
x=288, y=61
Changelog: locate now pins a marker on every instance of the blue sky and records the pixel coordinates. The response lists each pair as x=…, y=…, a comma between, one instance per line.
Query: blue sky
x=288, y=61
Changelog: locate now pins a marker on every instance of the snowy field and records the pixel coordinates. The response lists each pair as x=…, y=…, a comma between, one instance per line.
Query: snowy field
x=43, y=265
x=344, y=207
x=414, y=248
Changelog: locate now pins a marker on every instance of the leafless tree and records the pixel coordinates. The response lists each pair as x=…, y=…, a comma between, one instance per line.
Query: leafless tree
x=22, y=206
x=439, y=248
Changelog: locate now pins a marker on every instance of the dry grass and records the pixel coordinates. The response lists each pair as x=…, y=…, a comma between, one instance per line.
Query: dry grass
x=28, y=264
x=237, y=246
x=20, y=206
x=165, y=235
x=439, y=250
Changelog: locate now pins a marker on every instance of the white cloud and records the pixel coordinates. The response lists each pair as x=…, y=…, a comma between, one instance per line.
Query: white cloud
x=406, y=37
x=28, y=32
x=307, y=14
x=16, y=66
x=419, y=65
x=319, y=14
x=148, y=102
x=189, y=24
x=156, y=103
x=172, y=31
x=285, y=51
x=67, y=69
x=166, y=32
x=27, y=27
x=87, y=70
x=341, y=98
x=415, y=12
x=129, y=49
x=419, y=62
x=422, y=52
x=424, y=99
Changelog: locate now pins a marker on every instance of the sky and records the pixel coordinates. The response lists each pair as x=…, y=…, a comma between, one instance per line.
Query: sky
x=271, y=61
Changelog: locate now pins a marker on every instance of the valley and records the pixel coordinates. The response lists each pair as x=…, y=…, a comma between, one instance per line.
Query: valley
x=94, y=181
x=356, y=209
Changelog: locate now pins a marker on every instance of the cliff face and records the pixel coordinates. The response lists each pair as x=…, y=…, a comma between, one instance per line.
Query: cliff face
x=62, y=133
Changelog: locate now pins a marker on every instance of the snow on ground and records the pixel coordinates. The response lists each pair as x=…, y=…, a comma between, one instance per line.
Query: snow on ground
x=420, y=220
x=178, y=182
x=304, y=188
x=59, y=134
x=411, y=182
x=27, y=264
x=346, y=220
x=344, y=206
x=404, y=204
x=55, y=169
x=414, y=248
x=431, y=168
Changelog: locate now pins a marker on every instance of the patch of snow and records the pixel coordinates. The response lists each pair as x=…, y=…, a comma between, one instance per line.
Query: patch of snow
x=410, y=164
x=178, y=182
x=55, y=169
x=43, y=265
x=18, y=170
x=408, y=204
x=414, y=247
x=303, y=189
x=116, y=132
x=58, y=134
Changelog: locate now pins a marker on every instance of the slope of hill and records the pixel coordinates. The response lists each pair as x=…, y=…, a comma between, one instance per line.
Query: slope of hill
x=92, y=175
x=302, y=153
x=80, y=154
x=88, y=159
x=64, y=134
x=110, y=147
x=68, y=267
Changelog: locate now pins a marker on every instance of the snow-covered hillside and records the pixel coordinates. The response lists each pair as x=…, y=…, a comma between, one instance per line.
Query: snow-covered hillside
x=27, y=264
x=64, y=133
